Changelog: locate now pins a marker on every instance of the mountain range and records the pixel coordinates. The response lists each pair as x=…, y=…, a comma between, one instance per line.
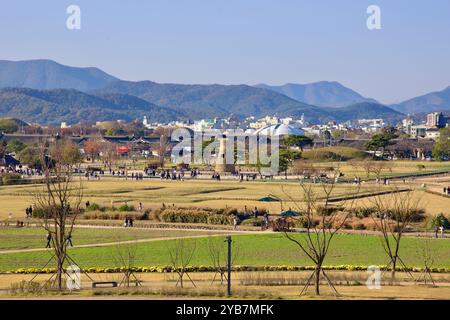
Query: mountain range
x=47, y=74
x=72, y=106
x=434, y=101
x=46, y=92
x=322, y=94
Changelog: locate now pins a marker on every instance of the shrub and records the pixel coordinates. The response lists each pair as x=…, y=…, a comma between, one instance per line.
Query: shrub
x=126, y=208
x=438, y=221
x=94, y=207
x=303, y=222
x=45, y=212
x=363, y=212
x=145, y=215
x=10, y=178
x=195, y=215
x=334, y=153
x=114, y=215
x=259, y=222
x=359, y=226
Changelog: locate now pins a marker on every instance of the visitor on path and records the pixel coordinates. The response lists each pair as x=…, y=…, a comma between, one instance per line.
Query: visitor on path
x=441, y=230
x=27, y=213
x=125, y=223
x=266, y=220
x=140, y=206
x=256, y=212
x=235, y=223
x=49, y=239
x=69, y=240
x=30, y=211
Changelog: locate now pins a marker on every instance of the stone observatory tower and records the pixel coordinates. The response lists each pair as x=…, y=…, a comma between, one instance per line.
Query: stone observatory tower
x=221, y=165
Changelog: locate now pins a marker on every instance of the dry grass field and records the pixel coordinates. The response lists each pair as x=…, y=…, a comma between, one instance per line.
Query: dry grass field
x=247, y=285
x=202, y=193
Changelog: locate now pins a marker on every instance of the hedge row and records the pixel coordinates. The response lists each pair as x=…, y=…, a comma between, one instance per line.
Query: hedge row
x=168, y=269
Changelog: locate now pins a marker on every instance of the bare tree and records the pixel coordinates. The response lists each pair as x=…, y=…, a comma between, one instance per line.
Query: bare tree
x=218, y=254
x=392, y=215
x=322, y=221
x=163, y=145
x=109, y=153
x=59, y=200
x=371, y=166
x=125, y=259
x=425, y=250
x=181, y=252
x=92, y=148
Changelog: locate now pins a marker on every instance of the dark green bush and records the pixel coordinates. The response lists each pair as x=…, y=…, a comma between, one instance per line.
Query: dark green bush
x=259, y=222
x=438, y=221
x=94, y=207
x=126, y=208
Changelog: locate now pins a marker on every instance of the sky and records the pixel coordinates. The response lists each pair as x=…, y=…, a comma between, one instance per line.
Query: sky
x=242, y=41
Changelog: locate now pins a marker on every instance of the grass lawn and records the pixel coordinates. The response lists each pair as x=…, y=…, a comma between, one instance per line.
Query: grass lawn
x=265, y=249
x=29, y=238
x=152, y=193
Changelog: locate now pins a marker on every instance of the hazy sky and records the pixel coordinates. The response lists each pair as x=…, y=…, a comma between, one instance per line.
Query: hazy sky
x=242, y=41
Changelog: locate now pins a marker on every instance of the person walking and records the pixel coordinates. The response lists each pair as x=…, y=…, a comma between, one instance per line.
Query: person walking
x=69, y=240
x=235, y=223
x=256, y=212
x=49, y=239
x=266, y=220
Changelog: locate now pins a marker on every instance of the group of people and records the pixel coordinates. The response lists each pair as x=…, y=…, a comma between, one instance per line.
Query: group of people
x=247, y=177
x=150, y=172
x=215, y=176
x=194, y=173
x=172, y=175
x=385, y=181
x=29, y=212
x=118, y=173
x=49, y=238
x=128, y=222
x=93, y=174
x=137, y=176
x=23, y=172
x=447, y=191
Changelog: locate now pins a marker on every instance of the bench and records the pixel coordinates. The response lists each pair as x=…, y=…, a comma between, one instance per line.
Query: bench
x=113, y=284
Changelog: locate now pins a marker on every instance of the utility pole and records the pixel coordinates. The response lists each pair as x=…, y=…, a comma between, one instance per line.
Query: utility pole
x=229, y=265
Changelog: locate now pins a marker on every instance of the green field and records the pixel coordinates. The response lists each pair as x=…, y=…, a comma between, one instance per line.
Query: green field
x=258, y=250
x=30, y=238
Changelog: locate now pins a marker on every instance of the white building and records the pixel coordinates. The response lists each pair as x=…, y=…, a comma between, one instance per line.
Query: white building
x=279, y=130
